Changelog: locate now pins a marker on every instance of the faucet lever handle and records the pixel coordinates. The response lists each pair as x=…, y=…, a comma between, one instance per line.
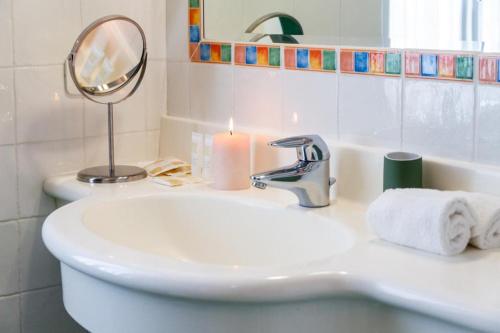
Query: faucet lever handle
x=309, y=147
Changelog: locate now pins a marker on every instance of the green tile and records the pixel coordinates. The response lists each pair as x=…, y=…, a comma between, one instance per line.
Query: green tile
x=465, y=67
x=194, y=3
x=329, y=60
x=274, y=56
x=226, y=53
x=393, y=63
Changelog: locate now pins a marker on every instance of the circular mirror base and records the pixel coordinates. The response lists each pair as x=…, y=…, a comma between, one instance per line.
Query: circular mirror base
x=101, y=174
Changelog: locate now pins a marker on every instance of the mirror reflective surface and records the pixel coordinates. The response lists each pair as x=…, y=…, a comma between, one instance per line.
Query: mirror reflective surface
x=108, y=56
x=471, y=25
x=107, y=64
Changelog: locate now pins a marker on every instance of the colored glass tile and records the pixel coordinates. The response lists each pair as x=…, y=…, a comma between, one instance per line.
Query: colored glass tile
x=205, y=52
x=361, y=64
x=251, y=55
x=329, y=60
x=412, y=64
x=194, y=3
x=377, y=62
x=194, y=51
x=446, y=65
x=263, y=55
x=303, y=58
x=465, y=67
x=194, y=33
x=195, y=16
x=226, y=53
x=498, y=70
x=290, y=58
x=215, y=55
x=488, y=69
x=429, y=65
x=240, y=54
x=274, y=56
x=393, y=63
x=315, y=60
x=346, y=61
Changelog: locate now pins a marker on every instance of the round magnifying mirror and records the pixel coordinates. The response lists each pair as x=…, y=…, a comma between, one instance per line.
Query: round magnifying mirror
x=107, y=65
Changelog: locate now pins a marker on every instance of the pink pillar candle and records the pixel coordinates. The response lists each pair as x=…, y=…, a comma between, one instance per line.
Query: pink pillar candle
x=231, y=161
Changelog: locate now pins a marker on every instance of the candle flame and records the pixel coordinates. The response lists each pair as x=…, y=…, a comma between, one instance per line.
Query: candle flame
x=231, y=125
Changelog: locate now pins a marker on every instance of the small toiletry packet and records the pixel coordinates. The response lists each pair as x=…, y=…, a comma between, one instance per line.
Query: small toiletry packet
x=174, y=181
x=171, y=172
x=168, y=167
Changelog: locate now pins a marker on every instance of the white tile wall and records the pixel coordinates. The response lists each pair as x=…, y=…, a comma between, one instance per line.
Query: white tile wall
x=9, y=308
x=43, y=110
x=487, y=129
x=370, y=110
x=44, y=132
x=44, y=30
x=439, y=118
x=426, y=116
x=7, y=125
x=310, y=104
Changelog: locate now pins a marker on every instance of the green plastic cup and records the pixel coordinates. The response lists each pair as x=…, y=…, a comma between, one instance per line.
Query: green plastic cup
x=402, y=170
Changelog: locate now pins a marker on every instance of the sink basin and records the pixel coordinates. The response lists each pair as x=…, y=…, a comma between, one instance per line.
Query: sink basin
x=197, y=260
x=217, y=231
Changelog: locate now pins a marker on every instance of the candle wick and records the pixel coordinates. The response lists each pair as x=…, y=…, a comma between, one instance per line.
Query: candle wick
x=231, y=132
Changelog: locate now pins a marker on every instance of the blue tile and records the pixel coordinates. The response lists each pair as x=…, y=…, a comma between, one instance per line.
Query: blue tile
x=194, y=33
x=498, y=68
x=429, y=65
x=303, y=58
x=251, y=55
x=205, y=52
x=361, y=60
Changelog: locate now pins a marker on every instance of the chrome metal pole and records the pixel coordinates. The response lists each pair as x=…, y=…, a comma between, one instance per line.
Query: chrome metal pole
x=111, y=143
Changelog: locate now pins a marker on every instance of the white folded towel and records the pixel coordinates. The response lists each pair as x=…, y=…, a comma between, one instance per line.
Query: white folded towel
x=429, y=220
x=486, y=234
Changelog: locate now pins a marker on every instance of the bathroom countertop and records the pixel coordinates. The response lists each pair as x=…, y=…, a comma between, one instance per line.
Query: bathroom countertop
x=464, y=289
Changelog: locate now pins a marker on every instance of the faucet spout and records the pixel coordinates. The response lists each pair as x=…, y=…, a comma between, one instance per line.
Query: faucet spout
x=308, y=178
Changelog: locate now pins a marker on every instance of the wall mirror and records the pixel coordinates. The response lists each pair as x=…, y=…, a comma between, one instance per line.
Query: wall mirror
x=461, y=25
x=107, y=65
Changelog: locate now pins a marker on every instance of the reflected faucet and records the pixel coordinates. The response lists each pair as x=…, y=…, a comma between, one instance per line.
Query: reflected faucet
x=309, y=178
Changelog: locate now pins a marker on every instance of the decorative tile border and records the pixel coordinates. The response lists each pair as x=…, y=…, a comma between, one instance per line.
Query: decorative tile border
x=195, y=26
x=311, y=59
x=257, y=55
x=489, y=69
x=439, y=66
x=418, y=64
x=217, y=53
x=370, y=62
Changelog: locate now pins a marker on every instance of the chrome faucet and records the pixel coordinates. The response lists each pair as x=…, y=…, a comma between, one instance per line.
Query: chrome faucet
x=309, y=178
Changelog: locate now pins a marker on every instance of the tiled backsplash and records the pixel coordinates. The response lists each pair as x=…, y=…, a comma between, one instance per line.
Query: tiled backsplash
x=434, y=103
x=43, y=132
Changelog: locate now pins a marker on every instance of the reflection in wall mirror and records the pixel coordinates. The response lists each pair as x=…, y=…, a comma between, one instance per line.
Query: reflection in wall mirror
x=472, y=25
x=107, y=65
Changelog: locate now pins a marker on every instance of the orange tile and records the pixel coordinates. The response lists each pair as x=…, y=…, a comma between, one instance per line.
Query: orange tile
x=194, y=51
x=315, y=61
x=346, y=61
x=194, y=16
x=377, y=62
x=262, y=55
x=290, y=58
x=239, y=54
x=215, y=51
x=446, y=65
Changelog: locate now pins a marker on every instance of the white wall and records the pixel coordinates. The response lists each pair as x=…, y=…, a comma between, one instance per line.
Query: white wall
x=447, y=119
x=42, y=133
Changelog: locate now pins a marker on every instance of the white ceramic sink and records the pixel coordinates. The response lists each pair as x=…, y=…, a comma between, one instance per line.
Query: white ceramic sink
x=142, y=258
x=212, y=230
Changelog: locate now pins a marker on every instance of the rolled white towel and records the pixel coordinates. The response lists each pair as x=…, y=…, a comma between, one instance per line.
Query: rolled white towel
x=486, y=234
x=429, y=220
